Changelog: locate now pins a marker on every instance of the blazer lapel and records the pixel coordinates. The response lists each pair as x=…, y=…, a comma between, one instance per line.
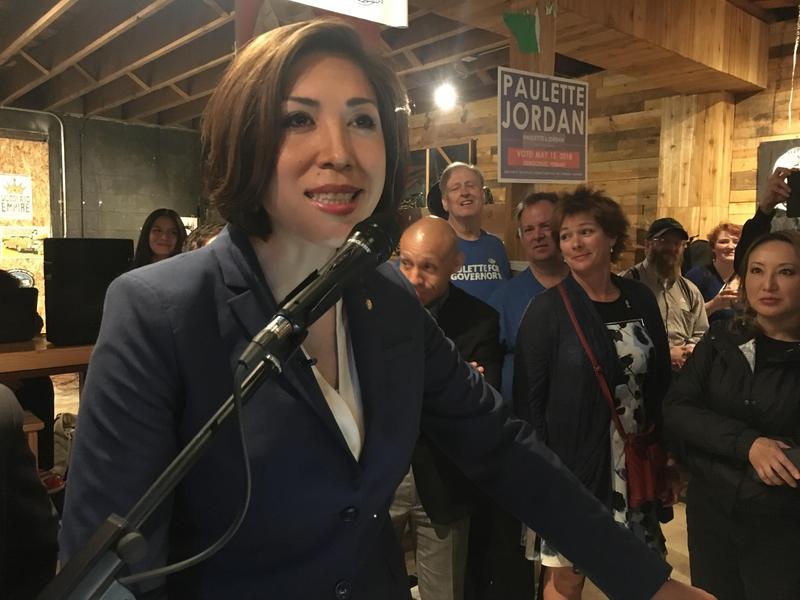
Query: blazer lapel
x=362, y=315
x=251, y=305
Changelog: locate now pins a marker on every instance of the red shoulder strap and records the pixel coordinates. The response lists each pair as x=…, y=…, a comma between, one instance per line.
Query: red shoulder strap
x=598, y=370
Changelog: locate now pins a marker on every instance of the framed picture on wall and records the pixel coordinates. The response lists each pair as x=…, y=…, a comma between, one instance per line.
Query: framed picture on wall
x=771, y=155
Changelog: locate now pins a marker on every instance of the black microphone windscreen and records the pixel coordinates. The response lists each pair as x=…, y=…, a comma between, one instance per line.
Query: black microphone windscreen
x=380, y=233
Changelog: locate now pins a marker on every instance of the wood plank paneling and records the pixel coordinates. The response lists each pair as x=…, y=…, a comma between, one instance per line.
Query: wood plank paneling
x=696, y=145
x=623, y=147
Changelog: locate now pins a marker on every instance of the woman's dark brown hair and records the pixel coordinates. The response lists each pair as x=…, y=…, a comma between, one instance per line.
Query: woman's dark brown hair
x=242, y=133
x=605, y=211
x=144, y=254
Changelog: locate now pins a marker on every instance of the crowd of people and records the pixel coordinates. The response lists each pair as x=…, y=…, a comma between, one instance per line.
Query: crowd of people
x=388, y=418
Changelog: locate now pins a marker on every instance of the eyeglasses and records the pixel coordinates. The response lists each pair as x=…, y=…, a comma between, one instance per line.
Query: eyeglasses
x=672, y=242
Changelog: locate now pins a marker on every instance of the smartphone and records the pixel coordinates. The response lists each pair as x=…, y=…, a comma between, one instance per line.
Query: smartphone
x=793, y=202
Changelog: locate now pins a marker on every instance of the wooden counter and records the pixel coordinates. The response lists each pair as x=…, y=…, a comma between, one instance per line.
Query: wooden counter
x=39, y=357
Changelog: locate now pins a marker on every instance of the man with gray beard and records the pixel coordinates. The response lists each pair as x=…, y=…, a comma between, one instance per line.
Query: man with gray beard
x=680, y=302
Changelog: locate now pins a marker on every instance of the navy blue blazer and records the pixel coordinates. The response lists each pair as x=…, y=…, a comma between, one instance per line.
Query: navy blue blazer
x=318, y=523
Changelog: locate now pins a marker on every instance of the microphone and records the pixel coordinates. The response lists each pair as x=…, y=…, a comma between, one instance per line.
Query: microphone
x=369, y=244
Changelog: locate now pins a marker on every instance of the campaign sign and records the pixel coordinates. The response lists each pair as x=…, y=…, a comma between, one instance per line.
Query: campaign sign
x=541, y=128
x=393, y=13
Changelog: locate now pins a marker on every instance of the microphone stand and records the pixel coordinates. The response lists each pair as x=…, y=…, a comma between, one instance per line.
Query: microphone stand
x=90, y=574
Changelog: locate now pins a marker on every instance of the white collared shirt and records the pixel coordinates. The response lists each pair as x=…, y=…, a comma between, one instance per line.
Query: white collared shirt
x=345, y=403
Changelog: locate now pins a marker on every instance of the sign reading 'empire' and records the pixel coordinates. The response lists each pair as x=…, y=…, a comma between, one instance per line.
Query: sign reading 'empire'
x=16, y=197
x=542, y=124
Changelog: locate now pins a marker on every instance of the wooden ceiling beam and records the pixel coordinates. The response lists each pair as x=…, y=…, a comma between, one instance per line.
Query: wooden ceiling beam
x=84, y=74
x=122, y=86
x=754, y=9
x=174, y=95
x=184, y=112
x=429, y=40
x=480, y=14
x=768, y=4
x=454, y=57
x=411, y=58
x=213, y=48
x=202, y=82
x=64, y=50
x=21, y=31
x=714, y=36
x=152, y=103
x=183, y=95
x=172, y=30
x=207, y=52
x=34, y=62
x=137, y=81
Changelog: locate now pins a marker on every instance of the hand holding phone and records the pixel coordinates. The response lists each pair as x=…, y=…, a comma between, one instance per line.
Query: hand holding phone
x=793, y=201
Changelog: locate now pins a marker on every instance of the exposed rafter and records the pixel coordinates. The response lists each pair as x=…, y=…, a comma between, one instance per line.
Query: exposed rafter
x=28, y=31
x=157, y=61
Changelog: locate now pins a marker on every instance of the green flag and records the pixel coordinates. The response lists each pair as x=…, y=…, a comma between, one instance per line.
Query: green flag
x=523, y=27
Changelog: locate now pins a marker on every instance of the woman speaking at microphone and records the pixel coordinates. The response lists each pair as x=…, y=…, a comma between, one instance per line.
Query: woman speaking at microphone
x=304, y=137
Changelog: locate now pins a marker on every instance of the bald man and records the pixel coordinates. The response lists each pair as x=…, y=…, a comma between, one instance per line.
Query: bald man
x=429, y=255
x=435, y=499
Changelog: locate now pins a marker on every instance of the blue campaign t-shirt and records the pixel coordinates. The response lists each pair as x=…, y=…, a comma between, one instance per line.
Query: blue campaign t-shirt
x=485, y=266
x=511, y=300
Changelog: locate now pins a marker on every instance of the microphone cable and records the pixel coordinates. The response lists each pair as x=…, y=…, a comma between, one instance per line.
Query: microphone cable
x=170, y=569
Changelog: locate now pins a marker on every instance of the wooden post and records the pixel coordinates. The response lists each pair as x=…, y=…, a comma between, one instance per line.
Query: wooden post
x=544, y=63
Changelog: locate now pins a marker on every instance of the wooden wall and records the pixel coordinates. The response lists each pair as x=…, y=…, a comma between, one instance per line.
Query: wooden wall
x=624, y=135
x=695, y=160
x=690, y=157
x=763, y=117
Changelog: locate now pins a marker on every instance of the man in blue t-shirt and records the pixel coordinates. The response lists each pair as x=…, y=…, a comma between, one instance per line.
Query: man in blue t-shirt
x=545, y=269
x=486, y=264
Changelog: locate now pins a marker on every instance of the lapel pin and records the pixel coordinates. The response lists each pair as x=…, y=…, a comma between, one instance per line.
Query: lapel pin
x=368, y=303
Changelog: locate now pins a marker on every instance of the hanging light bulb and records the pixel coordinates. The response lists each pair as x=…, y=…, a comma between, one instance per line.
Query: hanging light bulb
x=445, y=96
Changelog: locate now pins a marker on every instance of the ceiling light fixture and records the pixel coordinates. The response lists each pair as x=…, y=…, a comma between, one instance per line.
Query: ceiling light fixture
x=445, y=96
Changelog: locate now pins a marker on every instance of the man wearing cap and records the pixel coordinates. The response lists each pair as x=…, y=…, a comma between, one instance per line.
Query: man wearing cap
x=486, y=263
x=680, y=302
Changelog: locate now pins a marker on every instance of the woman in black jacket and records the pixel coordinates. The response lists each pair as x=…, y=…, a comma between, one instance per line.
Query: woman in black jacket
x=555, y=387
x=735, y=409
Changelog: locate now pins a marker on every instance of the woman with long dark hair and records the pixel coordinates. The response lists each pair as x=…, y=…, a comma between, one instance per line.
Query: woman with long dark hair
x=162, y=236
x=735, y=409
